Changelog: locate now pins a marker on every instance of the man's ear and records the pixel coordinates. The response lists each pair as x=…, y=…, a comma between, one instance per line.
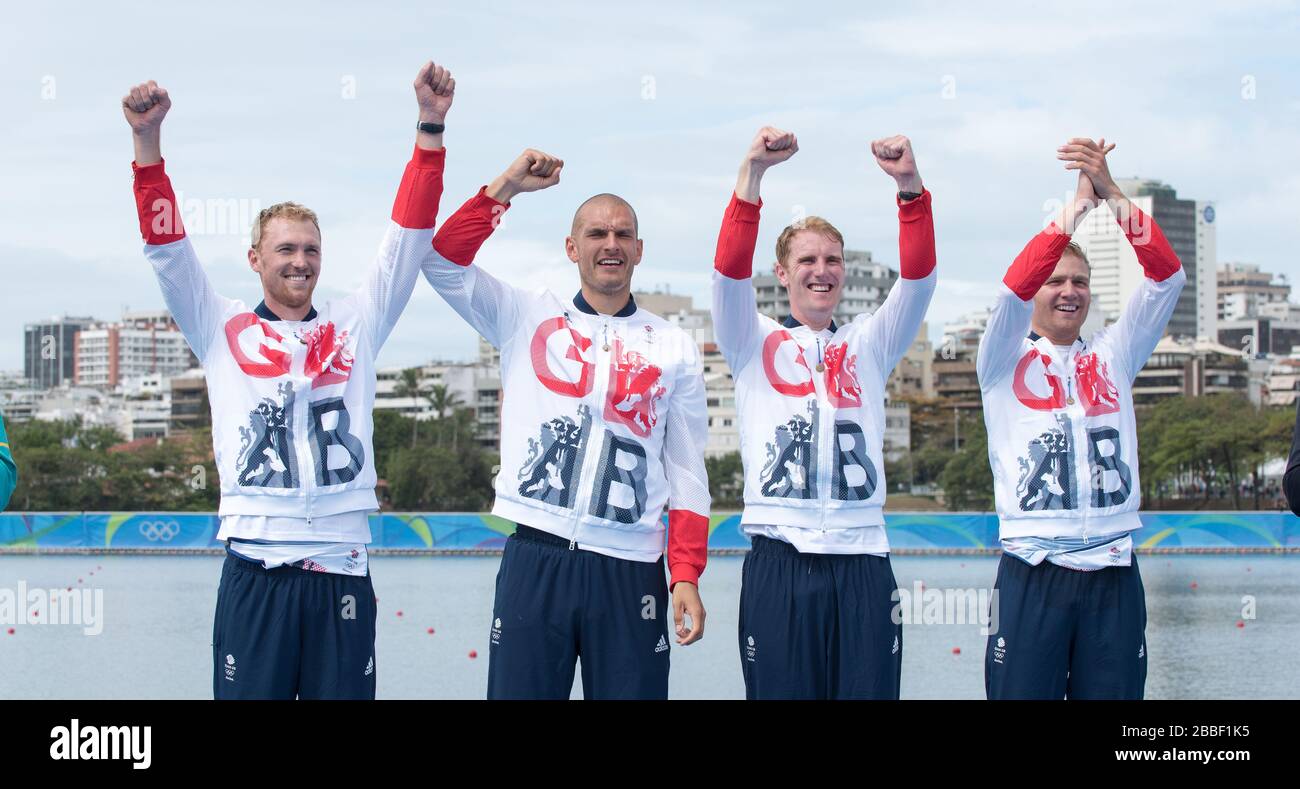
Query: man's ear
x=571, y=248
x=253, y=261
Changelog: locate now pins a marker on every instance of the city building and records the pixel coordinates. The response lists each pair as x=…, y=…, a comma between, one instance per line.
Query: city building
x=141, y=344
x=49, y=351
x=1189, y=227
x=1184, y=367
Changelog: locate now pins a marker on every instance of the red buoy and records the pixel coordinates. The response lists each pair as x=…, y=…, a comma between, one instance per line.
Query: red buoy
x=1193, y=584
x=1240, y=623
x=472, y=653
x=956, y=650
x=430, y=631
x=10, y=631
x=399, y=613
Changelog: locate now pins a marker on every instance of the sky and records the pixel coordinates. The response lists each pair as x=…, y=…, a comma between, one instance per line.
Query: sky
x=314, y=103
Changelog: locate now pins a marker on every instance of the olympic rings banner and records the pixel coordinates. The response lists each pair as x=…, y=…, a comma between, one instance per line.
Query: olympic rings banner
x=456, y=532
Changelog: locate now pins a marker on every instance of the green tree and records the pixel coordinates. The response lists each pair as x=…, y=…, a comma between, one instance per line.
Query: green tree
x=409, y=385
x=726, y=480
x=967, y=480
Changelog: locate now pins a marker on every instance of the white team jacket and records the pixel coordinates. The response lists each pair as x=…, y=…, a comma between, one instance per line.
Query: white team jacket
x=603, y=418
x=1063, y=439
x=812, y=412
x=292, y=402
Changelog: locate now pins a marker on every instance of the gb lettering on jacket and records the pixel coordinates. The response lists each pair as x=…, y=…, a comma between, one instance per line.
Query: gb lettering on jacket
x=616, y=372
x=1084, y=393
x=790, y=468
x=311, y=361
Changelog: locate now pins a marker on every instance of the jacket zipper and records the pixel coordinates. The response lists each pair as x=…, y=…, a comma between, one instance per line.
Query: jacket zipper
x=601, y=389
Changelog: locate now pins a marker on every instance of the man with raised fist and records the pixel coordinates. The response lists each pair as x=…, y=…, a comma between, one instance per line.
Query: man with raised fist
x=817, y=590
x=603, y=425
x=292, y=387
x=1063, y=447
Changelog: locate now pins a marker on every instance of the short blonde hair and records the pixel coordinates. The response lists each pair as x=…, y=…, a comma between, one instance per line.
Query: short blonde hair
x=814, y=223
x=1073, y=248
x=286, y=210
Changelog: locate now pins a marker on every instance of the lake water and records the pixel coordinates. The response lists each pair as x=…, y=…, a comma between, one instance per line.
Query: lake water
x=157, y=628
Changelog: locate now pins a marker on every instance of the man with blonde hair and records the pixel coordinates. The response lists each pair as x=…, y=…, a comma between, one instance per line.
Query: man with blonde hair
x=292, y=389
x=817, y=591
x=1063, y=449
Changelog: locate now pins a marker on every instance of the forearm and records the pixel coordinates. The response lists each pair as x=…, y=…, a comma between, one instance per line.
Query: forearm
x=148, y=147
x=427, y=141
x=1072, y=215
x=501, y=190
x=749, y=180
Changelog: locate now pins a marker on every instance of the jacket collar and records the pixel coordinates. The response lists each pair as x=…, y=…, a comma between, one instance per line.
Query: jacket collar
x=791, y=322
x=264, y=312
x=583, y=305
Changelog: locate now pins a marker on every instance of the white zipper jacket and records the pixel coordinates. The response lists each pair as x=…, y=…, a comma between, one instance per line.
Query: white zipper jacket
x=603, y=417
x=1063, y=438
x=811, y=406
x=292, y=402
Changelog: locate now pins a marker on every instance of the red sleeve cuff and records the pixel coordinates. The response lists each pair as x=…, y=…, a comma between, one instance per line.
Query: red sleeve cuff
x=912, y=210
x=742, y=209
x=734, y=258
x=427, y=158
x=683, y=572
x=416, y=205
x=150, y=174
x=1158, y=259
x=460, y=237
x=688, y=545
x=916, y=253
x=155, y=205
x=1036, y=262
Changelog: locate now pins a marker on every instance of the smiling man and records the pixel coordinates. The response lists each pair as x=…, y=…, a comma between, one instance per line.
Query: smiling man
x=817, y=586
x=1063, y=447
x=292, y=388
x=603, y=424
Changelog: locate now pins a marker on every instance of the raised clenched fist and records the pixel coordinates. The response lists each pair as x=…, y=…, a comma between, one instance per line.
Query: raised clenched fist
x=434, y=90
x=894, y=155
x=532, y=171
x=145, y=106
x=771, y=146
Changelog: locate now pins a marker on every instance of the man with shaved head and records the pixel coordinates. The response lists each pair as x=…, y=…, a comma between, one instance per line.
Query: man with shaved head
x=603, y=424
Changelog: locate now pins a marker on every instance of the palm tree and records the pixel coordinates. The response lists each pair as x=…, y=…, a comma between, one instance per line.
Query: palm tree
x=443, y=400
x=409, y=386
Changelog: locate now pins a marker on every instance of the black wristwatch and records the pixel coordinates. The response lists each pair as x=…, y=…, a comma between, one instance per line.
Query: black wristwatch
x=431, y=128
x=905, y=196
